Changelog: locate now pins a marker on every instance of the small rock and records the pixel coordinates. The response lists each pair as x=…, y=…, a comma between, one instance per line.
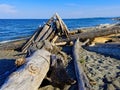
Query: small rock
x=106, y=67
x=118, y=67
x=108, y=79
x=100, y=61
x=110, y=87
x=116, y=83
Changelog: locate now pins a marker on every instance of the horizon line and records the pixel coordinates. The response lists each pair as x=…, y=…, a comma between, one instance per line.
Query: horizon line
x=68, y=18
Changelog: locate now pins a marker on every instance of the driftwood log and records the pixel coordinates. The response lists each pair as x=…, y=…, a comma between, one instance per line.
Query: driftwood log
x=91, y=34
x=30, y=41
x=62, y=25
x=41, y=34
x=83, y=82
x=46, y=27
x=30, y=75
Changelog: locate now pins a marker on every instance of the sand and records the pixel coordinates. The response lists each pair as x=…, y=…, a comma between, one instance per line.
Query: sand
x=104, y=71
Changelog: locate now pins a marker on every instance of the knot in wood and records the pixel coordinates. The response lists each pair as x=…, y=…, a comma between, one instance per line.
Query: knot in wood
x=33, y=69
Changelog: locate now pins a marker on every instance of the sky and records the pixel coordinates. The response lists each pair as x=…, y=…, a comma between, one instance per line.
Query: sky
x=38, y=9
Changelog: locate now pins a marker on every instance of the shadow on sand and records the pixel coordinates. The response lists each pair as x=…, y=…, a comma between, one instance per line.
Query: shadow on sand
x=7, y=66
x=109, y=50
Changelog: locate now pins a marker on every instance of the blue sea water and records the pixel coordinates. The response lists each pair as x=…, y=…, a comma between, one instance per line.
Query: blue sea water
x=13, y=29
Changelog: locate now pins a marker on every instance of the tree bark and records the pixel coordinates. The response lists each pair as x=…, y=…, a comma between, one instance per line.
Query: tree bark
x=30, y=75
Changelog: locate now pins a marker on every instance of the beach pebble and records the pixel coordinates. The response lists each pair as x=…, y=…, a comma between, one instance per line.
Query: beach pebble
x=108, y=78
x=118, y=67
x=116, y=83
x=110, y=87
x=103, y=70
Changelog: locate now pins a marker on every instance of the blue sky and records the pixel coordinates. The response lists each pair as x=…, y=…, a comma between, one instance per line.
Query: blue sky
x=65, y=8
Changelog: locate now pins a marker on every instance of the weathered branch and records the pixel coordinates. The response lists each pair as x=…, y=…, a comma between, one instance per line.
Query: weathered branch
x=91, y=34
x=31, y=74
x=83, y=82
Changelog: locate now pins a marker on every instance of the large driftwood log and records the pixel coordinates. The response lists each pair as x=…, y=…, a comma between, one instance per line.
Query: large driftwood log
x=92, y=34
x=31, y=74
x=83, y=82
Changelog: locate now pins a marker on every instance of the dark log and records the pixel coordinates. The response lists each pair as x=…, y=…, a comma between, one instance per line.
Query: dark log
x=58, y=75
x=30, y=75
x=92, y=34
x=83, y=82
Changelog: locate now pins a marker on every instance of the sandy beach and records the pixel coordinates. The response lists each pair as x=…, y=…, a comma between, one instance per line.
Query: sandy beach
x=103, y=71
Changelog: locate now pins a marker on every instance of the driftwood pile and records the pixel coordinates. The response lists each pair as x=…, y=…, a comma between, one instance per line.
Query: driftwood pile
x=41, y=59
x=50, y=31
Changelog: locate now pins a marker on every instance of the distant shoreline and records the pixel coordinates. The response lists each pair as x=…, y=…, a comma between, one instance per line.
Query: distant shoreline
x=13, y=30
x=82, y=29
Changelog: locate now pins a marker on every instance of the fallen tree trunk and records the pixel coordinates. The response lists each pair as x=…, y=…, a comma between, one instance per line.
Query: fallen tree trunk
x=92, y=34
x=31, y=74
x=83, y=82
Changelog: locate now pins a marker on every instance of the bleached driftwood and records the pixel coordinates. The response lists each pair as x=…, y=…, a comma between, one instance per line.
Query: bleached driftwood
x=46, y=27
x=38, y=35
x=29, y=41
x=83, y=82
x=30, y=75
x=92, y=34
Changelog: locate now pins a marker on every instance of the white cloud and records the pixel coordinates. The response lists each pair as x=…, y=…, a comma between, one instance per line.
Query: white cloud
x=7, y=9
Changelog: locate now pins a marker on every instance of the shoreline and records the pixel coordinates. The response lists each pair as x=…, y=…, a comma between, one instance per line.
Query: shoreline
x=96, y=65
x=83, y=29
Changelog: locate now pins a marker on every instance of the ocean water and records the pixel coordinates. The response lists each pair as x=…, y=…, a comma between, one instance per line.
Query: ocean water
x=13, y=29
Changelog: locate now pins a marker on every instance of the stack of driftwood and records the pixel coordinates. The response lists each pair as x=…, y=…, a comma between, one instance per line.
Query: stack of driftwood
x=54, y=28
x=40, y=59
